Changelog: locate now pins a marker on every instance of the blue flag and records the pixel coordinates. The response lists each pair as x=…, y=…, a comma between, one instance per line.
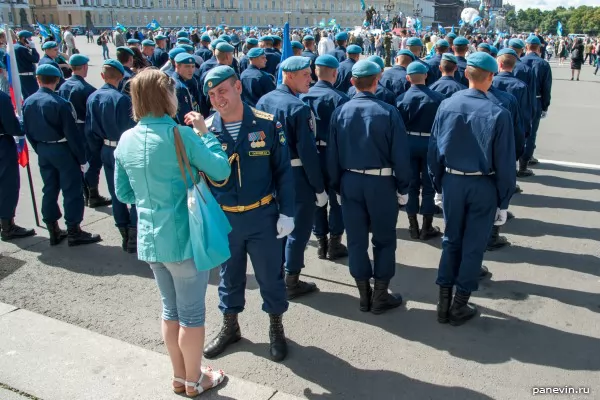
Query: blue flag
x=461, y=22
x=559, y=29
x=362, y=5
x=120, y=27
x=417, y=25
x=56, y=33
x=43, y=30
x=441, y=29
x=154, y=25
x=286, y=49
x=452, y=31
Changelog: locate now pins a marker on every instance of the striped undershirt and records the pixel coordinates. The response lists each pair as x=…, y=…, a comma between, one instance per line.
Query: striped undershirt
x=234, y=129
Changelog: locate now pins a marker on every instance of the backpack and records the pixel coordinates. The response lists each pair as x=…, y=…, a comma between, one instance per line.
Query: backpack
x=99, y=42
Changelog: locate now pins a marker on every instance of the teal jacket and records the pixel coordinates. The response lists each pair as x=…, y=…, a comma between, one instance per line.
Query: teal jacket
x=147, y=175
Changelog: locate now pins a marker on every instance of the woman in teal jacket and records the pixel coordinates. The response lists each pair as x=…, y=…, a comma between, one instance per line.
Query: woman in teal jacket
x=147, y=174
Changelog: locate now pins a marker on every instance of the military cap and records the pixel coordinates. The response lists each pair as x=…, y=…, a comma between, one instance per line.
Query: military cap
x=184, y=40
x=205, y=38
x=174, y=52
x=148, y=43
x=442, y=43
x=186, y=47
x=533, y=40
x=181, y=34
x=184, y=58
x=49, y=45
x=255, y=52
x=461, y=41
x=276, y=38
x=451, y=35
x=484, y=46
x=450, y=57
x=133, y=41
x=341, y=36
x=493, y=50
x=115, y=64
x=365, y=68
x=295, y=63
x=225, y=47
x=266, y=38
x=126, y=50
x=216, y=76
x=308, y=38
x=226, y=38
x=484, y=61
x=508, y=51
x=215, y=43
x=159, y=37
x=252, y=41
x=327, y=60
x=297, y=45
x=516, y=43
x=406, y=52
x=24, y=34
x=377, y=60
x=2, y=66
x=48, y=70
x=354, y=49
x=78, y=60
x=416, y=67
x=414, y=41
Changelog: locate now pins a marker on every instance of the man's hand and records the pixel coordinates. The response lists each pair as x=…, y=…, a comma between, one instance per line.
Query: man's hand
x=196, y=120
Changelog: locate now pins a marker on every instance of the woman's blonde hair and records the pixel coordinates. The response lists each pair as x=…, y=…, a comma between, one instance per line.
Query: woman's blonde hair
x=153, y=93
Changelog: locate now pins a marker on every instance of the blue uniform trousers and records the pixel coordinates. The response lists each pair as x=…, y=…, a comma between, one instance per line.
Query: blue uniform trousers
x=420, y=178
x=92, y=176
x=370, y=201
x=124, y=217
x=469, y=212
x=254, y=233
x=335, y=224
x=29, y=85
x=9, y=177
x=530, y=140
x=60, y=171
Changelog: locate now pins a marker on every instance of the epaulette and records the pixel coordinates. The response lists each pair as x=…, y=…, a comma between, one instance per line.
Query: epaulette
x=262, y=114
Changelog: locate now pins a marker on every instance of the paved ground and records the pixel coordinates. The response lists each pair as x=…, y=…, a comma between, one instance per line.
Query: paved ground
x=540, y=309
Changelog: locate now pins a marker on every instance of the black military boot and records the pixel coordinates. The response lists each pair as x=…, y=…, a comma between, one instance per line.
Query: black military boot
x=518, y=189
x=428, y=231
x=124, y=238
x=86, y=195
x=335, y=248
x=278, y=347
x=483, y=272
x=9, y=230
x=230, y=333
x=461, y=310
x=77, y=237
x=322, y=247
x=57, y=235
x=523, y=171
x=496, y=241
x=95, y=200
x=533, y=161
x=296, y=288
x=382, y=300
x=132, y=240
x=413, y=226
x=366, y=294
x=443, y=305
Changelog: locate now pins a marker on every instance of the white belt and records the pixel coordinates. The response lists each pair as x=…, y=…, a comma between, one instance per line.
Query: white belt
x=111, y=143
x=296, y=162
x=538, y=97
x=321, y=143
x=63, y=140
x=378, y=172
x=26, y=74
x=79, y=122
x=418, y=133
x=455, y=172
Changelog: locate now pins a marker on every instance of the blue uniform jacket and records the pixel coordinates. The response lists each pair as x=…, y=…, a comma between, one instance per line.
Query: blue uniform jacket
x=207, y=66
x=124, y=85
x=447, y=86
x=47, y=117
x=273, y=60
x=430, y=78
x=264, y=169
x=323, y=99
x=77, y=91
x=473, y=134
x=255, y=84
x=47, y=60
x=418, y=106
x=459, y=75
x=26, y=58
x=244, y=62
x=507, y=82
x=511, y=103
x=525, y=74
x=159, y=58
x=187, y=97
x=204, y=52
x=298, y=123
x=382, y=93
x=344, y=74
x=367, y=133
x=543, y=75
x=395, y=80
x=108, y=116
x=434, y=67
x=339, y=52
x=312, y=56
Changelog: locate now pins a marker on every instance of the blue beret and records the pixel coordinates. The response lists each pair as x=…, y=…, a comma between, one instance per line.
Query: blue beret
x=148, y=42
x=252, y=41
x=451, y=35
x=533, y=40
x=186, y=47
x=297, y=45
x=125, y=49
x=405, y=52
x=255, y=52
x=215, y=43
x=493, y=50
x=442, y=43
x=450, y=57
x=78, y=60
x=416, y=67
x=2, y=66
x=205, y=38
x=461, y=41
x=174, y=52
x=115, y=64
x=516, y=43
x=226, y=38
x=354, y=49
x=484, y=46
x=184, y=58
x=484, y=61
x=266, y=38
x=327, y=60
x=308, y=38
x=49, y=45
x=377, y=60
x=181, y=34
x=365, y=68
x=24, y=34
x=133, y=41
x=216, y=76
x=276, y=38
x=160, y=37
x=341, y=36
x=48, y=70
x=183, y=40
x=414, y=41
x=295, y=63
x=225, y=47
x=508, y=51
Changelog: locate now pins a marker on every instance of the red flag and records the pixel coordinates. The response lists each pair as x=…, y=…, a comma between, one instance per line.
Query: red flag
x=24, y=155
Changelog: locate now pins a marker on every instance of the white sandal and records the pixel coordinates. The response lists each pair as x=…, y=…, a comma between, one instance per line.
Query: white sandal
x=179, y=389
x=217, y=379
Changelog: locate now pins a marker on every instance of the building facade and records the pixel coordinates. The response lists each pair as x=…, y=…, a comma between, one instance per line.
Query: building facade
x=447, y=12
x=15, y=13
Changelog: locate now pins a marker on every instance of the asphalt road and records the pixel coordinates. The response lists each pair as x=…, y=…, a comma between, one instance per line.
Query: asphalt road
x=539, y=323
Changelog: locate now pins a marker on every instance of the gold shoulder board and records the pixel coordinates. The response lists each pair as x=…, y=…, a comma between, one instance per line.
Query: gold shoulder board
x=262, y=114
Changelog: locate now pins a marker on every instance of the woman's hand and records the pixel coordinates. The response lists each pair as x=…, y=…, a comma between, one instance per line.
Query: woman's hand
x=196, y=120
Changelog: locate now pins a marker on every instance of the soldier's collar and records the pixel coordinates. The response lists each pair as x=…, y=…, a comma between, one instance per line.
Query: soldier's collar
x=248, y=120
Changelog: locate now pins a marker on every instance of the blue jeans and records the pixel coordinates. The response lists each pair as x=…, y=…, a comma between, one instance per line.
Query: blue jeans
x=105, y=51
x=183, y=290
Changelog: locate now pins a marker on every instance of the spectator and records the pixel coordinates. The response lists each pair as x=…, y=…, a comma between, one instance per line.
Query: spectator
x=69, y=40
x=577, y=58
x=103, y=40
x=589, y=51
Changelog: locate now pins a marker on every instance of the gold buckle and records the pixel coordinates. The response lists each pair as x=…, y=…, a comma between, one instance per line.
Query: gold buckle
x=241, y=208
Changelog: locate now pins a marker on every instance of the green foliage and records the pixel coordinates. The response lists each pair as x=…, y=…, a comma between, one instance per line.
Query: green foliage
x=584, y=19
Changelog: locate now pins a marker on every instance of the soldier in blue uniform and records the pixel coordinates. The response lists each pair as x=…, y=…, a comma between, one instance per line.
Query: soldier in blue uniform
x=415, y=45
x=50, y=54
x=76, y=90
x=188, y=98
x=441, y=47
x=345, y=69
x=299, y=124
x=26, y=56
x=148, y=47
x=418, y=106
x=277, y=43
x=447, y=84
x=161, y=55
x=395, y=78
x=257, y=148
x=256, y=83
x=369, y=167
x=273, y=58
x=125, y=57
x=470, y=161
x=493, y=51
x=484, y=47
x=49, y=123
x=309, y=52
x=224, y=56
x=169, y=69
x=323, y=99
x=382, y=93
x=108, y=115
x=251, y=43
x=10, y=135
x=340, y=49
x=450, y=38
x=297, y=48
x=460, y=47
x=133, y=43
x=204, y=50
x=211, y=62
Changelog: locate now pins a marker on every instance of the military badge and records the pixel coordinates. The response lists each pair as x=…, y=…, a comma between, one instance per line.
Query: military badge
x=257, y=139
x=210, y=84
x=224, y=146
x=282, y=138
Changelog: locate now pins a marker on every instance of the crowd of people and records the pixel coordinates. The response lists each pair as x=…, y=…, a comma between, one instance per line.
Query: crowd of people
x=276, y=141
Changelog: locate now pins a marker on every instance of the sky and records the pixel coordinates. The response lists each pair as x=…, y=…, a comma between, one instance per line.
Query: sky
x=552, y=4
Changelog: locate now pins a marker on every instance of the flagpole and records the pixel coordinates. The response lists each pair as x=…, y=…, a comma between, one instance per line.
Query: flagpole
x=35, y=211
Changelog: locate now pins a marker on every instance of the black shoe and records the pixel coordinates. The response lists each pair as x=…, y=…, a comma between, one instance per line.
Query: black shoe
x=523, y=171
x=9, y=230
x=296, y=288
x=57, y=235
x=483, y=272
x=366, y=294
x=230, y=333
x=124, y=238
x=335, y=248
x=461, y=311
x=443, y=305
x=278, y=347
x=382, y=300
x=322, y=247
x=496, y=241
x=533, y=161
x=428, y=231
x=413, y=226
x=132, y=240
x=509, y=215
x=77, y=237
x=571, y=78
x=95, y=200
x=518, y=189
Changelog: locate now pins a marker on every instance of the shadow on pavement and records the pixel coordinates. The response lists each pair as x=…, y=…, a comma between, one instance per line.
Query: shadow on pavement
x=8, y=265
x=541, y=201
x=529, y=227
x=564, y=183
x=564, y=168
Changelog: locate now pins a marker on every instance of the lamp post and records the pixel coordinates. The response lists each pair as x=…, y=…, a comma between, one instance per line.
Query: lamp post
x=111, y=12
x=32, y=8
x=417, y=12
x=389, y=6
x=288, y=16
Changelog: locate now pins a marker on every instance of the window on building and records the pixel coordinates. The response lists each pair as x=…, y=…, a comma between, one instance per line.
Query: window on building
x=169, y=18
x=168, y=3
x=242, y=20
x=272, y=5
x=323, y=5
x=297, y=5
x=249, y=4
x=160, y=3
x=43, y=18
x=212, y=3
x=185, y=4
x=10, y=17
x=131, y=18
x=280, y=20
x=222, y=3
x=230, y=20
x=185, y=19
x=230, y=3
x=100, y=19
x=203, y=19
x=193, y=3
x=176, y=3
x=222, y=20
x=258, y=4
x=249, y=20
x=177, y=20
x=306, y=21
x=297, y=21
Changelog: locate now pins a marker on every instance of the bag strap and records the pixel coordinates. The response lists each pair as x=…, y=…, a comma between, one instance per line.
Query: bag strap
x=182, y=160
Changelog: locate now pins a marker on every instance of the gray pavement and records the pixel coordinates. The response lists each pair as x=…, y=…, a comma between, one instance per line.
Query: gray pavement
x=539, y=323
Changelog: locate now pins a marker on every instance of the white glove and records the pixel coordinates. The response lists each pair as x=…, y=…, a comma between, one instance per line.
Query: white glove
x=544, y=114
x=85, y=167
x=501, y=217
x=339, y=199
x=322, y=199
x=285, y=226
x=438, y=199
x=402, y=199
